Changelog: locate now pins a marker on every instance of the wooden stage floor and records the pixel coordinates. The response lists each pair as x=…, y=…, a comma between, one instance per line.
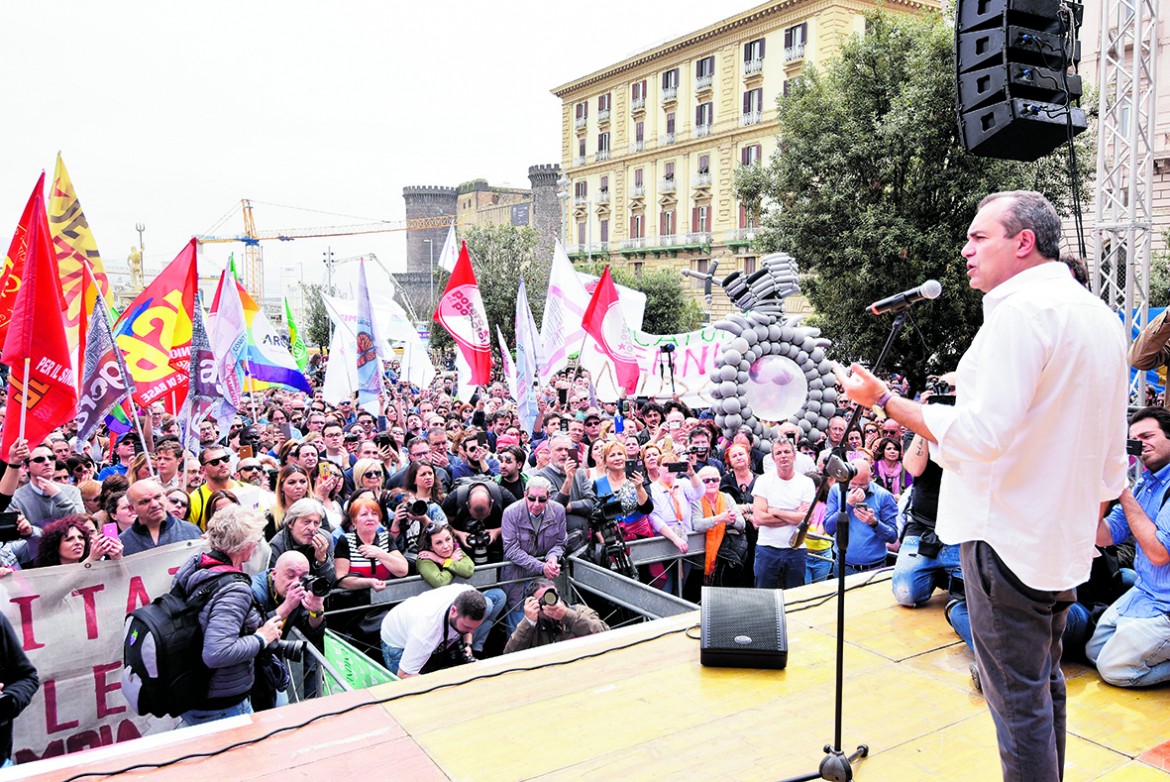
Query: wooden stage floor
x=650, y=711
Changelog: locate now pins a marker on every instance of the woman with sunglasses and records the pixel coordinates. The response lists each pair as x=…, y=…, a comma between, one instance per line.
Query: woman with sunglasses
x=726, y=547
x=177, y=503
x=441, y=561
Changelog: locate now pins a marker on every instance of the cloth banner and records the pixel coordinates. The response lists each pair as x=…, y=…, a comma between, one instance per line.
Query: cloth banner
x=390, y=324
x=13, y=271
x=69, y=619
x=370, y=348
x=358, y=670
x=694, y=365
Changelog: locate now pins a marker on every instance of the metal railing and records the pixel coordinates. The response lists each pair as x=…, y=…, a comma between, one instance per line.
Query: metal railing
x=749, y=118
x=702, y=179
x=667, y=186
x=794, y=52
x=669, y=94
x=637, y=104
x=603, y=115
x=698, y=131
x=753, y=66
x=665, y=139
x=703, y=82
x=637, y=146
x=579, y=122
x=602, y=154
x=638, y=191
x=578, y=160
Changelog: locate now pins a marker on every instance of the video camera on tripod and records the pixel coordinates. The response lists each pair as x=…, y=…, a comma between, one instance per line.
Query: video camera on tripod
x=607, y=546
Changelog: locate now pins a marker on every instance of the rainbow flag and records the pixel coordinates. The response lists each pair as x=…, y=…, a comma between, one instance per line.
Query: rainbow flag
x=270, y=364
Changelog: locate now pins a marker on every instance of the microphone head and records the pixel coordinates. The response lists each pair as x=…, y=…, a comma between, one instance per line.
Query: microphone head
x=931, y=289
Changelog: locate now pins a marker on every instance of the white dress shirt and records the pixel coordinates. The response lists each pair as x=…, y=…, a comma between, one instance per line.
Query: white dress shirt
x=1036, y=439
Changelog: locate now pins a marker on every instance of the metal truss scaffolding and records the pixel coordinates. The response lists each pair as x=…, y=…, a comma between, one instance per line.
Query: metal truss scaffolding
x=1125, y=160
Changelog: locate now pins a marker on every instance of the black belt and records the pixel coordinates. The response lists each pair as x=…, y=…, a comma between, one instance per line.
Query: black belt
x=864, y=568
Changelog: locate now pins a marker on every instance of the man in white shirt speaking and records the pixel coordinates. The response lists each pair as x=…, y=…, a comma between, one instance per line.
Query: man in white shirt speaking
x=1045, y=375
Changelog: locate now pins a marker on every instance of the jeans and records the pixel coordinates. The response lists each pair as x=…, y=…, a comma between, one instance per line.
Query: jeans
x=959, y=618
x=1017, y=633
x=392, y=656
x=818, y=565
x=1130, y=651
x=915, y=576
x=781, y=568
x=496, y=601
x=200, y=716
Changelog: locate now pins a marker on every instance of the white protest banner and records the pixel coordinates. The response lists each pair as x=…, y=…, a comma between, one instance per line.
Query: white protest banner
x=69, y=620
x=694, y=365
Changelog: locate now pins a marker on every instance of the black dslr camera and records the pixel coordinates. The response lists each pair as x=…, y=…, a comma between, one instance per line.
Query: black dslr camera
x=607, y=547
x=318, y=586
x=288, y=650
x=478, y=541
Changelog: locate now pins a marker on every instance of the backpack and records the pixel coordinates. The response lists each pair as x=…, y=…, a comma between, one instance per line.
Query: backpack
x=162, y=650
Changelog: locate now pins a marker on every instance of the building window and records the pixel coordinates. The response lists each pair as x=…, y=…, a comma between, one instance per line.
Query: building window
x=603, y=146
x=640, y=132
x=749, y=265
x=581, y=189
x=581, y=148
x=786, y=87
x=670, y=85
x=794, y=41
x=753, y=106
x=638, y=177
x=704, y=118
x=670, y=124
x=582, y=114
x=704, y=164
x=638, y=95
x=746, y=223
x=581, y=234
x=666, y=223
x=637, y=227
x=753, y=56
x=701, y=266
x=603, y=103
x=604, y=231
x=637, y=268
x=701, y=219
x=750, y=155
x=605, y=184
x=668, y=172
x=704, y=72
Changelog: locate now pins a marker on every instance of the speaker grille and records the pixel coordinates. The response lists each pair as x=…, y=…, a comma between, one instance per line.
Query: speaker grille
x=743, y=628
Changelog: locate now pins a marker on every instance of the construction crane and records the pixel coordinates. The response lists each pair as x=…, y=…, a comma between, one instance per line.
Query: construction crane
x=251, y=238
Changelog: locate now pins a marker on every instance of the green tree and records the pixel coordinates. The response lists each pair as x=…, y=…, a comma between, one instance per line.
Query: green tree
x=871, y=191
x=669, y=309
x=316, y=323
x=1160, y=274
x=500, y=256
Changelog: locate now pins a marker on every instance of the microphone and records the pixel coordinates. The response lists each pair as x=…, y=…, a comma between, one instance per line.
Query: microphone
x=900, y=301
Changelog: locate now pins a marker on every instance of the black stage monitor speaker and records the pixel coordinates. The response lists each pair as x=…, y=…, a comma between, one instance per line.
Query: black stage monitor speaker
x=743, y=628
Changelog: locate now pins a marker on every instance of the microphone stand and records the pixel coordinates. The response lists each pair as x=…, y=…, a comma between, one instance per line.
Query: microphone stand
x=836, y=765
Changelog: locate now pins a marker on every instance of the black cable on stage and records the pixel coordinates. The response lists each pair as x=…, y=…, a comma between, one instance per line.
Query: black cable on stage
x=356, y=706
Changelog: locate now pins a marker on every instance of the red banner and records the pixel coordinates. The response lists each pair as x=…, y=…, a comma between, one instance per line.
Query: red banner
x=606, y=323
x=14, y=262
x=461, y=312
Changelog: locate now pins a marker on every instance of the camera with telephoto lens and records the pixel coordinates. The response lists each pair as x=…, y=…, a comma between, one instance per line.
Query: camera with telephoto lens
x=549, y=598
x=478, y=541
x=318, y=586
x=611, y=509
x=288, y=650
x=413, y=507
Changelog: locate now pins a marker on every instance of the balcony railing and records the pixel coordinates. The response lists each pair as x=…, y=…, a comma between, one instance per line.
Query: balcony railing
x=581, y=248
x=633, y=244
x=672, y=240
x=740, y=235
x=703, y=82
x=637, y=104
x=698, y=131
x=699, y=237
x=753, y=66
x=794, y=52
x=637, y=146
x=667, y=186
x=579, y=122
x=749, y=118
x=602, y=154
x=665, y=139
x=703, y=180
x=603, y=115
x=578, y=160
x=638, y=191
x=580, y=200
x=669, y=94
x=603, y=197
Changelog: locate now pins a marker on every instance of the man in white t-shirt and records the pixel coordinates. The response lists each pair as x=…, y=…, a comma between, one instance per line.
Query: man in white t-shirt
x=430, y=623
x=781, y=500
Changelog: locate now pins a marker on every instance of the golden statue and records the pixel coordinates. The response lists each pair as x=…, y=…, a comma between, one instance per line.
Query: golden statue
x=137, y=280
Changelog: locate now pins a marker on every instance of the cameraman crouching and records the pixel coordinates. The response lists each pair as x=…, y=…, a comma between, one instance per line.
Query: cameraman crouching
x=548, y=620
x=434, y=627
x=291, y=594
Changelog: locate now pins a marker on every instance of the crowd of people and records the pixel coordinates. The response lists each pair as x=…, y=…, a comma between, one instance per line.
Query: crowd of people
x=323, y=505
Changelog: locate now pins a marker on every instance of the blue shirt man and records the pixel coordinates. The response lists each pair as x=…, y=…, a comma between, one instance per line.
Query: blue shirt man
x=1130, y=645
x=873, y=520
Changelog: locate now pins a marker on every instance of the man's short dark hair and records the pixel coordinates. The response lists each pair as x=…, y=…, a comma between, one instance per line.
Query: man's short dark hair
x=1159, y=414
x=1032, y=211
x=330, y=425
x=470, y=605
x=653, y=407
x=516, y=451
x=169, y=445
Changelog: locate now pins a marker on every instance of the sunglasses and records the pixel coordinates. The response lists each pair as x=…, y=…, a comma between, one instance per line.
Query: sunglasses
x=39, y=459
x=374, y=474
x=250, y=468
x=433, y=527
x=710, y=480
x=220, y=460
x=538, y=500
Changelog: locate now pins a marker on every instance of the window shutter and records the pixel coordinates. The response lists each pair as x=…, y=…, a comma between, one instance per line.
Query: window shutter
x=670, y=170
x=747, y=52
x=761, y=48
x=747, y=98
x=695, y=219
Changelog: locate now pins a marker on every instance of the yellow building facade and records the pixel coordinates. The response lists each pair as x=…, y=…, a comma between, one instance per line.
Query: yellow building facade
x=651, y=144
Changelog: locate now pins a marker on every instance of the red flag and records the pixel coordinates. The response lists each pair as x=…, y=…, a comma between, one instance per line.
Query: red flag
x=461, y=312
x=14, y=263
x=35, y=348
x=606, y=323
x=155, y=333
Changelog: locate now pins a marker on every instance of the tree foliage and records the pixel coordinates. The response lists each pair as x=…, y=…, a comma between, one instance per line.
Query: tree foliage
x=669, y=309
x=871, y=191
x=316, y=325
x=500, y=256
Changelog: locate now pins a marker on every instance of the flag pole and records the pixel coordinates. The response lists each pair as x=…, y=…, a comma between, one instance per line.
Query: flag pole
x=142, y=440
x=24, y=397
x=251, y=391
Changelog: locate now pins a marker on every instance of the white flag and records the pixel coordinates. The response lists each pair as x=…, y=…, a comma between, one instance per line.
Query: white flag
x=229, y=340
x=529, y=360
x=560, y=329
x=509, y=365
x=450, y=252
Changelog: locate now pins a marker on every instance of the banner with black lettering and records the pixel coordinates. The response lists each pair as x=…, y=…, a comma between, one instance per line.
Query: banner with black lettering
x=69, y=619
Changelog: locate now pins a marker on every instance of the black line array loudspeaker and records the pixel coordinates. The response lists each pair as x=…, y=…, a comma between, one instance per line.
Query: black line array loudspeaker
x=1013, y=81
x=743, y=628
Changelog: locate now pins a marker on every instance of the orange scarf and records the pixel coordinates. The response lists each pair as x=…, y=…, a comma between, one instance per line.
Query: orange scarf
x=715, y=534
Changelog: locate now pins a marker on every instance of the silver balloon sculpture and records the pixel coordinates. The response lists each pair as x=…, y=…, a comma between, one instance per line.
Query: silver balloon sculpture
x=772, y=370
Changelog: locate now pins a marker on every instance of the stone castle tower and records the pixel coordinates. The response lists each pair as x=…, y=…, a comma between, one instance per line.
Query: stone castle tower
x=426, y=201
x=546, y=206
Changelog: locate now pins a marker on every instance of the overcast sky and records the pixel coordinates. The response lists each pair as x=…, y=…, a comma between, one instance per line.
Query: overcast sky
x=167, y=114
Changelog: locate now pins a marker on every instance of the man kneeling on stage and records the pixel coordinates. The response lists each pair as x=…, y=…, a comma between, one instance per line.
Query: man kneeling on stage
x=548, y=620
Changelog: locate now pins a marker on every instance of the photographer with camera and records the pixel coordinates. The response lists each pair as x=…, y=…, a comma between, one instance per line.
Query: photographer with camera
x=548, y=620
x=441, y=561
x=534, y=532
x=289, y=592
x=432, y=630
x=475, y=510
